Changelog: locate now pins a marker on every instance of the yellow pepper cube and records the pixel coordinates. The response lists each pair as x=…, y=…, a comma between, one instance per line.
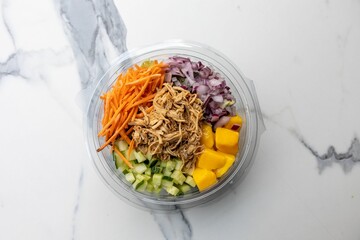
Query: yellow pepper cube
x=234, y=123
x=230, y=159
x=204, y=178
x=226, y=140
x=207, y=137
x=211, y=159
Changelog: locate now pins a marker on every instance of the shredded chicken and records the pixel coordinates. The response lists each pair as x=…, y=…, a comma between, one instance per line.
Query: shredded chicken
x=173, y=128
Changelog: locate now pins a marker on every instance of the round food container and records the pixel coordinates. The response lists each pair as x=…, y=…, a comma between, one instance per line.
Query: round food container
x=246, y=106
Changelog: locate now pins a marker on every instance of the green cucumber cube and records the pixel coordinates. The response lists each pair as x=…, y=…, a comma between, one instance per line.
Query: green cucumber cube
x=137, y=183
x=163, y=164
x=149, y=187
x=139, y=156
x=184, y=188
x=178, y=177
x=130, y=177
x=156, y=179
x=166, y=183
x=148, y=172
x=178, y=165
x=189, y=180
x=172, y=190
x=167, y=172
x=122, y=145
x=148, y=156
x=142, y=187
x=140, y=168
x=170, y=165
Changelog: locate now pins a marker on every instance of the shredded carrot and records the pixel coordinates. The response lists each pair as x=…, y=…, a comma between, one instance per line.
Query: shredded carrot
x=133, y=89
x=123, y=157
x=142, y=80
x=129, y=131
x=124, y=136
x=143, y=100
x=131, y=147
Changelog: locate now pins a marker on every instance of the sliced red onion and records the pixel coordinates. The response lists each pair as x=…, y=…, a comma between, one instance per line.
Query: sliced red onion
x=202, y=89
x=214, y=82
x=210, y=86
x=222, y=121
x=218, y=98
x=214, y=118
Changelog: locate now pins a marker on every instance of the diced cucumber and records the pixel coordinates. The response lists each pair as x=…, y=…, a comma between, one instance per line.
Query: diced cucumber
x=148, y=156
x=178, y=177
x=178, y=165
x=163, y=164
x=122, y=145
x=157, y=189
x=139, y=156
x=134, y=162
x=156, y=169
x=140, y=177
x=149, y=187
x=117, y=160
x=148, y=172
x=153, y=163
x=184, y=188
x=189, y=180
x=130, y=177
x=146, y=177
x=172, y=190
x=168, y=178
x=137, y=183
x=130, y=157
x=156, y=179
x=166, y=183
x=167, y=172
x=140, y=168
x=170, y=165
x=142, y=187
x=125, y=171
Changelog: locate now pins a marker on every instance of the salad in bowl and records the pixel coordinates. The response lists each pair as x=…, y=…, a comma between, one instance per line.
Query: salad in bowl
x=172, y=125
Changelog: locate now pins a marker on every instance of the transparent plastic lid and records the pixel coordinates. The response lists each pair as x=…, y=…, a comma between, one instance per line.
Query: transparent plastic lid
x=247, y=107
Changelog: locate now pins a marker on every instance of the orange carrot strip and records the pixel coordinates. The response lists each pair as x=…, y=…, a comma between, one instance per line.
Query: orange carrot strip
x=144, y=100
x=123, y=157
x=131, y=147
x=141, y=80
x=124, y=136
x=129, y=131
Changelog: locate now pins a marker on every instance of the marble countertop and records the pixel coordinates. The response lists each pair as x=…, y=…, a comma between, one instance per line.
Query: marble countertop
x=303, y=57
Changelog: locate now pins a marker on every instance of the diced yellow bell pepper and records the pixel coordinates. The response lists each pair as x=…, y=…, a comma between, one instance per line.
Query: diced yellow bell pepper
x=226, y=140
x=234, y=123
x=230, y=159
x=204, y=178
x=207, y=137
x=211, y=159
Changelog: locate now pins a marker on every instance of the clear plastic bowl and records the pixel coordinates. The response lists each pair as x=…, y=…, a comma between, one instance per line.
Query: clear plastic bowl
x=246, y=105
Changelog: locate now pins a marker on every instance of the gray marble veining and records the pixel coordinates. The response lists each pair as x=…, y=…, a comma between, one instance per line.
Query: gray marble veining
x=5, y=21
x=174, y=226
x=346, y=159
x=77, y=202
x=83, y=23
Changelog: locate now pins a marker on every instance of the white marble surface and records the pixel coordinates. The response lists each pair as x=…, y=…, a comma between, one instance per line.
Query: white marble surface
x=303, y=56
